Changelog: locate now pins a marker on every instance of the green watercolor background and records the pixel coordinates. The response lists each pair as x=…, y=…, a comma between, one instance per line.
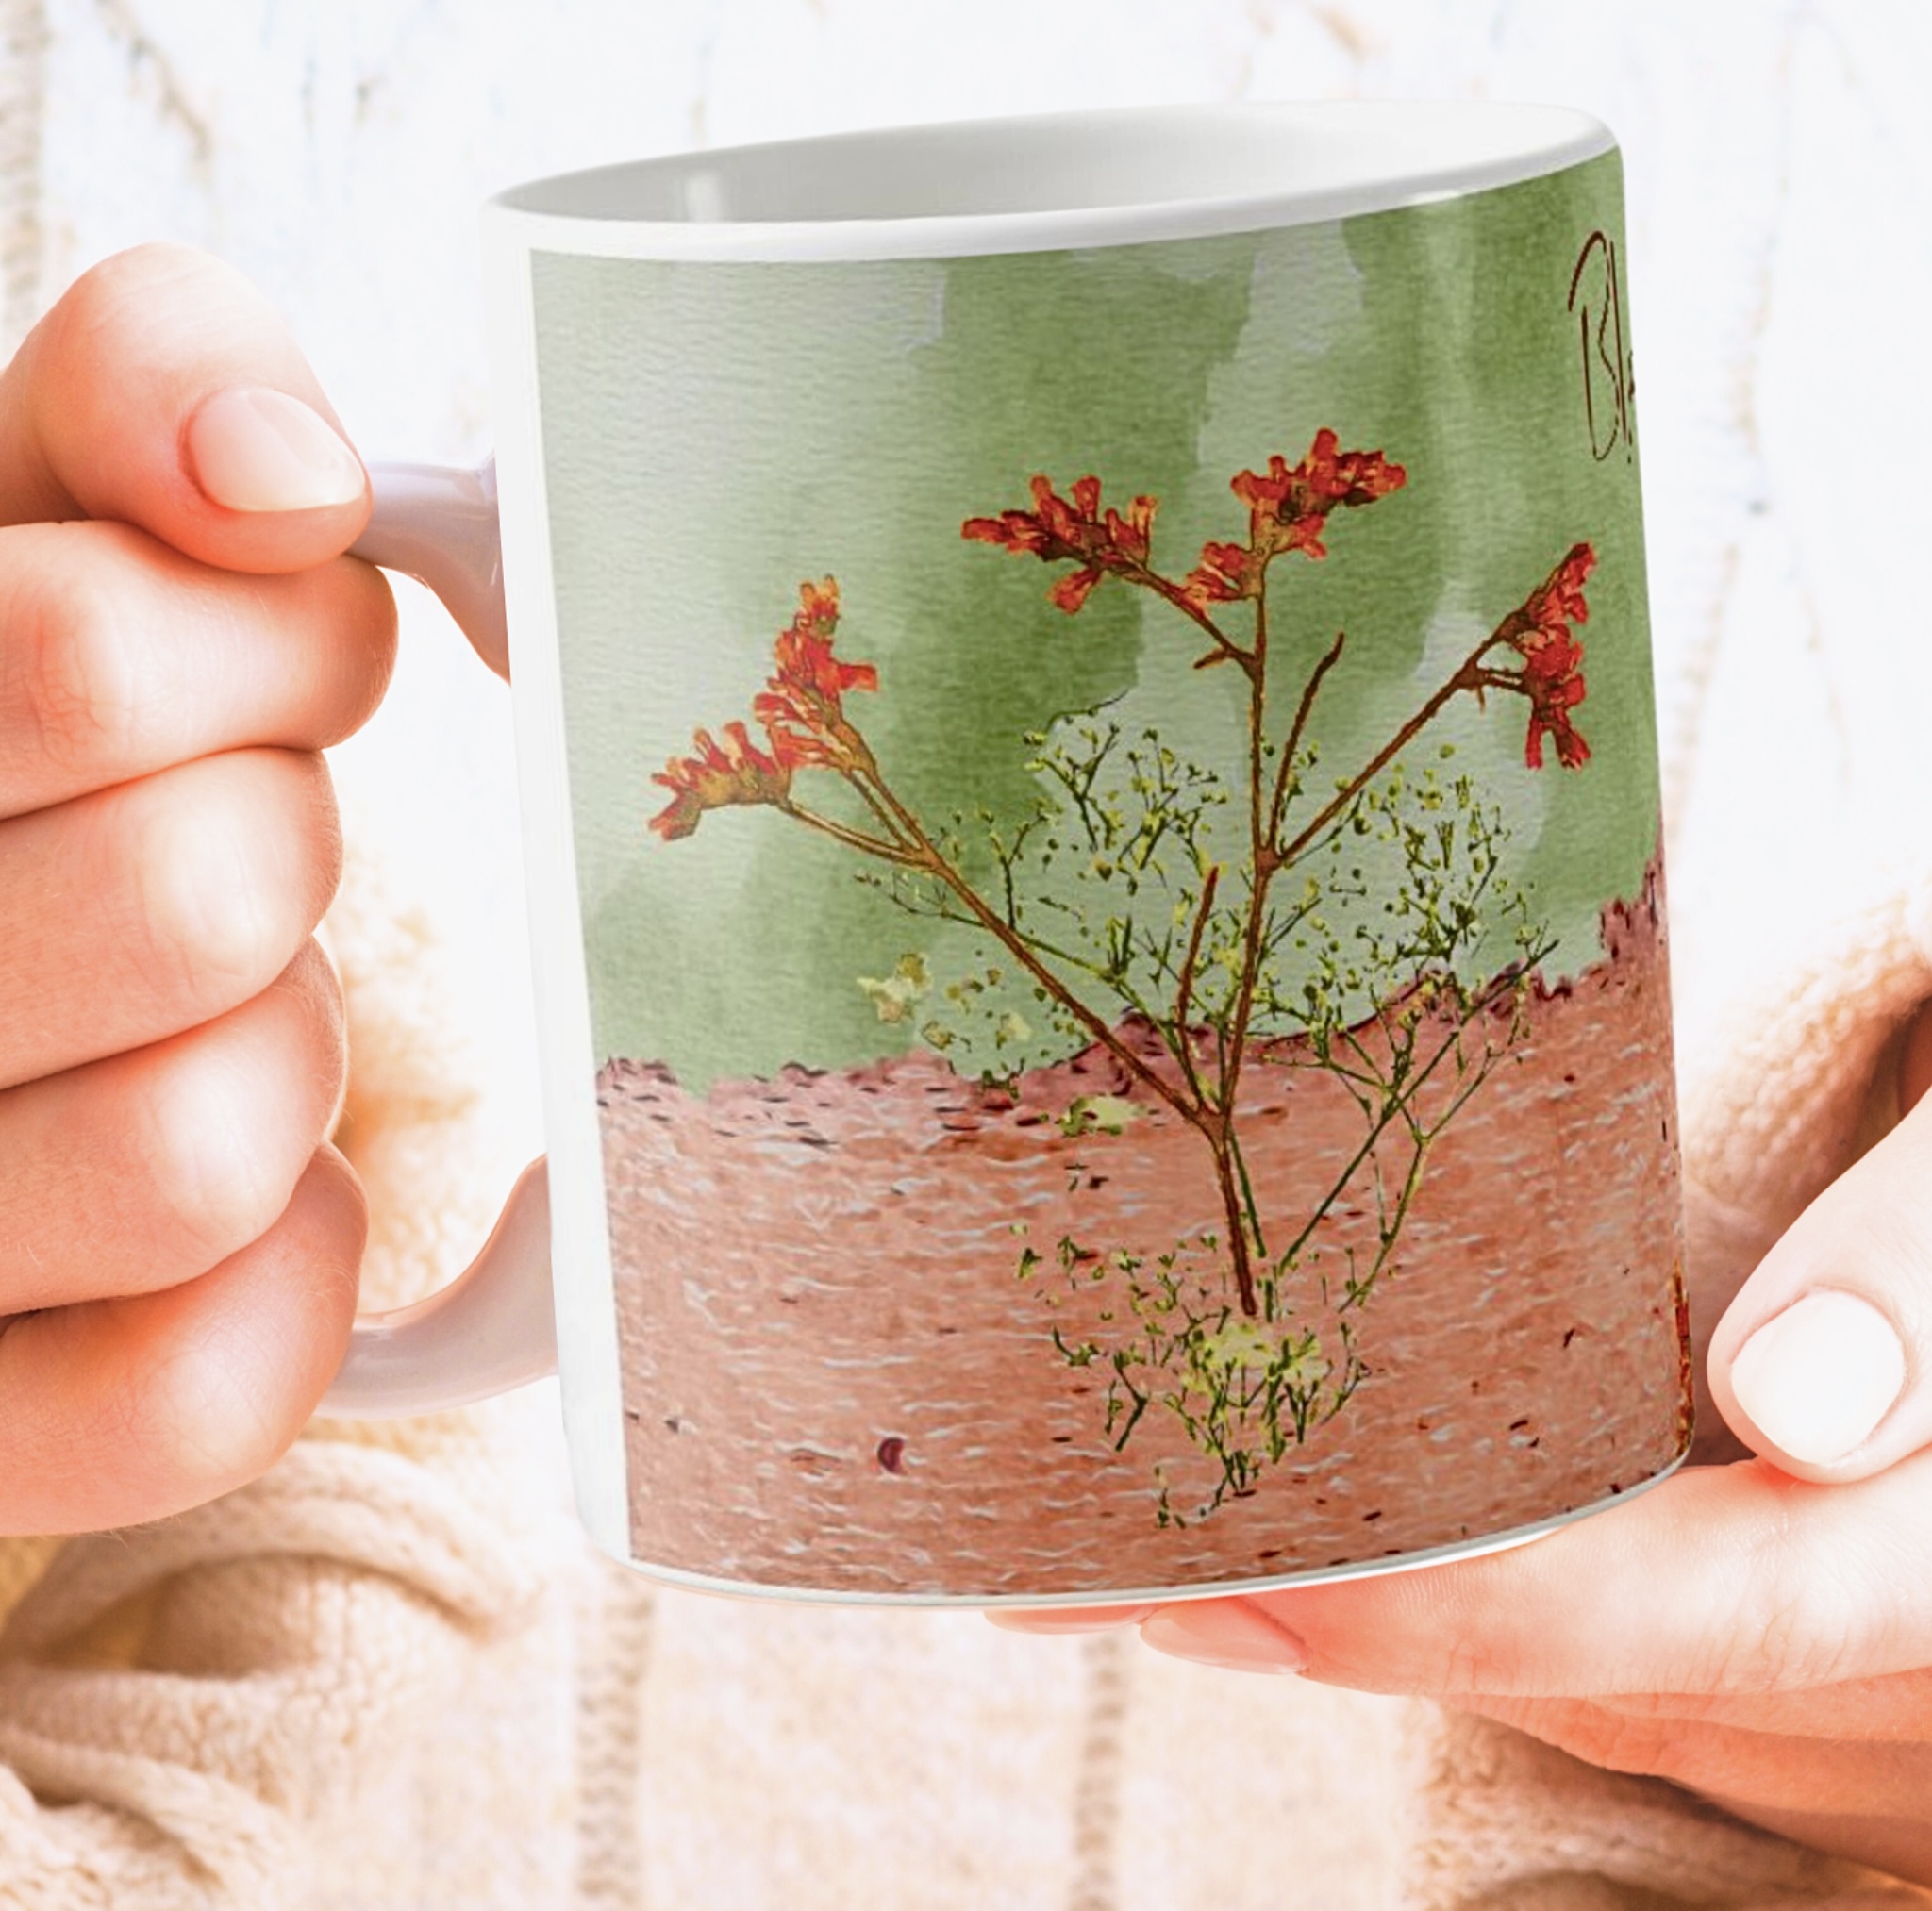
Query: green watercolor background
x=714, y=434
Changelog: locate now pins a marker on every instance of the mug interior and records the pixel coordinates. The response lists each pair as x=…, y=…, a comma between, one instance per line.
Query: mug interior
x=1324, y=159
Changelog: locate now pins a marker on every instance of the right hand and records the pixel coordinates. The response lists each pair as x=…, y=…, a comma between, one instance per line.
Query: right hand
x=179, y=637
x=1757, y=1633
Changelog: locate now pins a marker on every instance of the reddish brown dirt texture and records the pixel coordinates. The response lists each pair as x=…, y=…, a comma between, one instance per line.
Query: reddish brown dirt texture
x=835, y=1380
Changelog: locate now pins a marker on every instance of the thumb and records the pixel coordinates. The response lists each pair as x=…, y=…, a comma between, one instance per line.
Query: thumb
x=163, y=391
x=1822, y=1363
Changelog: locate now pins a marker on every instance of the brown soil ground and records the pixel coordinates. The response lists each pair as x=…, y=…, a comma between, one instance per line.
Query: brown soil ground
x=834, y=1379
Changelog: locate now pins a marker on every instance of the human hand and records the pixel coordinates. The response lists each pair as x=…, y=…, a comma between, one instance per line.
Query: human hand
x=179, y=637
x=1759, y=1633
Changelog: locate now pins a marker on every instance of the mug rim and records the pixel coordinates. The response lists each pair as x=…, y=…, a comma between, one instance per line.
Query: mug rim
x=1030, y=183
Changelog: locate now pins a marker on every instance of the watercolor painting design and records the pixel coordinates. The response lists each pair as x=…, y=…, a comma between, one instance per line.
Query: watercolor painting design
x=1198, y=926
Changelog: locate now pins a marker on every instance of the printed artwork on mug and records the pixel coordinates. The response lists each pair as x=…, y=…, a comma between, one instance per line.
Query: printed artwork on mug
x=1115, y=798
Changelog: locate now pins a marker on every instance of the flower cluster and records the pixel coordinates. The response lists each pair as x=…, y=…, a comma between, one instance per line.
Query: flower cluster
x=802, y=709
x=1552, y=673
x=1058, y=527
x=1288, y=510
x=719, y=776
x=801, y=706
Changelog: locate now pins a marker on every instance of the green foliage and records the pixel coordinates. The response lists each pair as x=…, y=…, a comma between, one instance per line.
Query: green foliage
x=1246, y=1390
x=898, y=995
x=1391, y=953
x=1379, y=969
x=1102, y=1114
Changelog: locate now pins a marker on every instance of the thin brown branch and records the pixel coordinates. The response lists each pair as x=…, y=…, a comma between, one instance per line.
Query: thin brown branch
x=1397, y=1103
x=1379, y=1126
x=1193, y=954
x=852, y=839
x=1226, y=649
x=1237, y=1195
x=1285, y=769
x=929, y=857
x=1389, y=1232
x=1262, y=864
x=1258, y=840
x=1239, y=1252
x=1183, y=1048
x=1465, y=678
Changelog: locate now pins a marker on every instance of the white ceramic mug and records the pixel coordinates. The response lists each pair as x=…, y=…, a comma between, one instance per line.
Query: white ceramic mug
x=1069, y=1110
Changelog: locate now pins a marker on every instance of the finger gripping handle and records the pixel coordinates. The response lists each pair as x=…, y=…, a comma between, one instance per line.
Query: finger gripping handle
x=493, y=1327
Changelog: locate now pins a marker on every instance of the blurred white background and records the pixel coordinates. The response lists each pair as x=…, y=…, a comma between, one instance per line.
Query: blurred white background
x=1779, y=164
x=1780, y=257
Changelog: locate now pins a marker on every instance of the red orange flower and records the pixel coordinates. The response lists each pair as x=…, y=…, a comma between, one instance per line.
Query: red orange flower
x=1225, y=574
x=801, y=704
x=1554, y=683
x=718, y=777
x=1558, y=600
x=1059, y=528
x=1288, y=510
x=802, y=709
x=1552, y=673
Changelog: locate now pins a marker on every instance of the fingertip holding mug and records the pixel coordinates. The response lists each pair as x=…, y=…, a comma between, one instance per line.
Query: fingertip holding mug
x=1056, y=1621
x=1232, y=1635
x=1818, y=1379
x=254, y=449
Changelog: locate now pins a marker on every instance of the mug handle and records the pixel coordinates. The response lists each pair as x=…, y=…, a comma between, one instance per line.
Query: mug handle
x=493, y=1327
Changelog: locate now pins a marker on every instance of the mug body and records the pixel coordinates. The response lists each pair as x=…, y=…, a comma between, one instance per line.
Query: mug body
x=1086, y=722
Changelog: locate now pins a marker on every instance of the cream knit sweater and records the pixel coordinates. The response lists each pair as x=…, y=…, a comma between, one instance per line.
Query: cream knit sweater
x=390, y=1675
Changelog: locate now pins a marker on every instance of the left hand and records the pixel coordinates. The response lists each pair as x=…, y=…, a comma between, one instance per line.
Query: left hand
x=1759, y=1633
x=182, y=637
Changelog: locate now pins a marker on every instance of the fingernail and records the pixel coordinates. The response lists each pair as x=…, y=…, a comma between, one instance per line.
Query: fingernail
x=256, y=450
x=1817, y=1378
x=1067, y=1619
x=1229, y=1633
